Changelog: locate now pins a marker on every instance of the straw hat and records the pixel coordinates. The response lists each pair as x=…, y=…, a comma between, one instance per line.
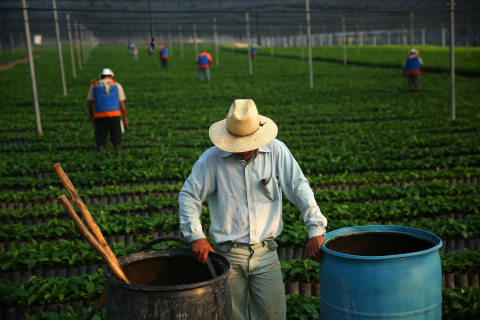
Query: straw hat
x=244, y=129
x=413, y=51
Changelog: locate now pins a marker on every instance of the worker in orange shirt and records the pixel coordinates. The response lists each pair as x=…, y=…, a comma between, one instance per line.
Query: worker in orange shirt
x=204, y=62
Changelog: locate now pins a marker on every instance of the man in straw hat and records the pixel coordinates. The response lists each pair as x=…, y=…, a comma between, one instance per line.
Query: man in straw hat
x=412, y=70
x=243, y=177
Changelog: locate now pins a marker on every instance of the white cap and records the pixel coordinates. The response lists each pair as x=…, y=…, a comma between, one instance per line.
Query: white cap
x=107, y=72
x=413, y=51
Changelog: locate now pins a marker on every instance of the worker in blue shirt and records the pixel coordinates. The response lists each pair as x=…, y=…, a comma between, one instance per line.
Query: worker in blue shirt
x=412, y=70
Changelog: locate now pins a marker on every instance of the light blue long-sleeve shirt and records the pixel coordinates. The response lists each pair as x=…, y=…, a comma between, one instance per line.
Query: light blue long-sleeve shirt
x=242, y=209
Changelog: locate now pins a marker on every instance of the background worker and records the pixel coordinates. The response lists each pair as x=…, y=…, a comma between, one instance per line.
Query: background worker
x=243, y=177
x=134, y=51
x=253, y=52
x=204, y=62
x=149, y=50
x=412, y=70
x=106, y=103
x=163, y=53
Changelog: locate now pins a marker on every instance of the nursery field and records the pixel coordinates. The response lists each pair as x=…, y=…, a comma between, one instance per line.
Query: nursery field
x=374, y=153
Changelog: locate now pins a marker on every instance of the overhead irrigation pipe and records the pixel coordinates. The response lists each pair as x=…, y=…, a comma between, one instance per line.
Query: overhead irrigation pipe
x=310, y=70
x=59, y=46
x=32, y=69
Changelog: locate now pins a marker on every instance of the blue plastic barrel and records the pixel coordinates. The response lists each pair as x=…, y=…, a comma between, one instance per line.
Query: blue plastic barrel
x=381, y=272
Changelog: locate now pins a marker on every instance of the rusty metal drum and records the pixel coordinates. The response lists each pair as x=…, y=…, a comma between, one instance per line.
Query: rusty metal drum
x=168, y=284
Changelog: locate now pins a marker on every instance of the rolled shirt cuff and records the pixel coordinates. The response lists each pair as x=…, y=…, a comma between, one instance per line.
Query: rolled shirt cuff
x=316, y=231
x=196, y=235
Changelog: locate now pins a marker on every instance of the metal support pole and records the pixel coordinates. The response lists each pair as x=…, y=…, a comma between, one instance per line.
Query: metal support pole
x=169, y=41
x=344, y=42
x=443, y=36
x=361, y=38
x=358, y=39
x=78, y=45
x=12, y=43
x=59, y=46
x=309, y=45
x=452, y=58
x=151, y=22
x=72, y=55
x=423, y=37
x=467, y=40
x=412, y=33
x=32, y=69
x=82, y=43
x=195, y=39
x=330, y=40
x=389, y=38
x=271, y=42
x=301, y=41
x=250, y=70
x=216, y=41
x=404, y=39
x=180, y=39
x=374, y=40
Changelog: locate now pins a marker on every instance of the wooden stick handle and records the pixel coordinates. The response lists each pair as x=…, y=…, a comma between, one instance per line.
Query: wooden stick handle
x=116, y=268
x=83, y=209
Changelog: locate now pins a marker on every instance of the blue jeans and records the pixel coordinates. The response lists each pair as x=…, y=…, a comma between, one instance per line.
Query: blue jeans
x=204, y=73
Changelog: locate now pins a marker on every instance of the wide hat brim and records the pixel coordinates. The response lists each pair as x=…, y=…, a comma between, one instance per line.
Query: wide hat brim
x=226, y=141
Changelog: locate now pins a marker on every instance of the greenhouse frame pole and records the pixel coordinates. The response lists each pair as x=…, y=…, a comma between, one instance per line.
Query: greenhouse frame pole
x=181, y=39
x=452, y=58
x=423, y=37
x=32, y=69
x=467, y=41
x=443, y=36
x=250, y=69
x=195, y=39
x=358, y=38
x=169, y=41
x=344, y=42
x=271, y=42
x=78, y=45
x=59, y=46
x=389, y=38
x=412, y=32
x=300, y=43
x=12, y=43
x=216, y=41
x=309, y=45
x=72, y=55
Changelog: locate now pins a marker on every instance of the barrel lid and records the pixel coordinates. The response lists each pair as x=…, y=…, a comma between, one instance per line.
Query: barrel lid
x=406, y=231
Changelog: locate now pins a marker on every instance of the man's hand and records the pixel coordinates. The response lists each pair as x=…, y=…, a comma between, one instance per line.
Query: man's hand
x=125, y=119
x=200, y=250
x=314, y=250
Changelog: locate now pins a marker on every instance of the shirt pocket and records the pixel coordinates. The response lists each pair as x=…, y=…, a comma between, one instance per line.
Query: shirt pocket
x=269, y=191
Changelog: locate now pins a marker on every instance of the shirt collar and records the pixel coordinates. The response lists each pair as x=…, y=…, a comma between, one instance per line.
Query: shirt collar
x=261, y=149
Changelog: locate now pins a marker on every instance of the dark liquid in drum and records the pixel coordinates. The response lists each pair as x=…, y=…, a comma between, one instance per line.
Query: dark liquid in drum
x=378, y=244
